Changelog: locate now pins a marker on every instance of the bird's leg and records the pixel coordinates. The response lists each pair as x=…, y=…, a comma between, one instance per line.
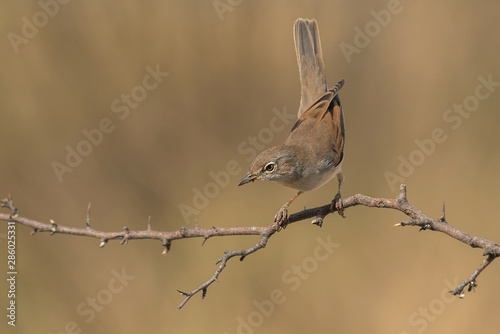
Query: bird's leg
x=337, y=201
x=281, y=217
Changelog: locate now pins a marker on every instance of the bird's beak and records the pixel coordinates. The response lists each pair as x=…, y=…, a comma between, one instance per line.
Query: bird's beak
x=246, y=179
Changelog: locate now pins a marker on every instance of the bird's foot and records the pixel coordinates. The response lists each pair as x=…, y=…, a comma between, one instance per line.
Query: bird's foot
x=281, y=218
x=338, y=205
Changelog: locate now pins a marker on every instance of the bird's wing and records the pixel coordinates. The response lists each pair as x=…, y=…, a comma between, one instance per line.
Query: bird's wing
x=324, y=117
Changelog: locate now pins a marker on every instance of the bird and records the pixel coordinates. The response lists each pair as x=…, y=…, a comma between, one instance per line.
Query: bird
x=313, y=152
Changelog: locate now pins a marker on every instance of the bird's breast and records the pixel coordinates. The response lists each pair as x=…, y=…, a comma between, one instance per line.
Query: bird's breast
x=313, y=178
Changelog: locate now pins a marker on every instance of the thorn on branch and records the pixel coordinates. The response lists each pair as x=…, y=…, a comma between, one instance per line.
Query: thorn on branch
x=184, y=293
x=149, y=223
x=88, y=217
x=103, y=243
x=402, y=198
x=204, y=293
x=53, y=228
x=205, y=238
x=443, y=216
x=166, y=243
x=319, y=218
x=34, y=231
x=318, y=221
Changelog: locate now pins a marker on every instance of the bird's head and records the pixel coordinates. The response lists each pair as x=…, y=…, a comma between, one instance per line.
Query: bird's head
x=274, y=164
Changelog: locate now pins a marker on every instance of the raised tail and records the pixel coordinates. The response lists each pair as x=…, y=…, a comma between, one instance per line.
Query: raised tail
x=335, y=89
x=310, y=61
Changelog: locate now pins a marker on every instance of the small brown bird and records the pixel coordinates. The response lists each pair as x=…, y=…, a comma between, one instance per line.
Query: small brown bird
x=313, y=152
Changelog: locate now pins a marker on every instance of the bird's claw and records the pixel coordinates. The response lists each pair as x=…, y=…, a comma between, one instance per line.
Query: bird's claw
x=281, y=218
x=338, y=205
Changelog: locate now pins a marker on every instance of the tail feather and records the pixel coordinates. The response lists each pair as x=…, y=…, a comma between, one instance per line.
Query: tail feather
x=310, y=61
x=335, y=89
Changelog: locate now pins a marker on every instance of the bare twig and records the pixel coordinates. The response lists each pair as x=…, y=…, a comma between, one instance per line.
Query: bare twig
x=400, y=203
x=471, y=281
x=223, y=261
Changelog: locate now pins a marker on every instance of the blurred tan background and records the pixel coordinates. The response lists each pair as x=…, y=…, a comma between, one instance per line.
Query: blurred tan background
x=228, y=70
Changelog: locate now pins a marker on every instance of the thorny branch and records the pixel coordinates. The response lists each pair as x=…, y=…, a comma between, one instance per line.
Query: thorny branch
x=400, y=203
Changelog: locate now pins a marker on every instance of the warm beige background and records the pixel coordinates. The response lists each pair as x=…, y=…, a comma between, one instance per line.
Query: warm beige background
x=225, y=79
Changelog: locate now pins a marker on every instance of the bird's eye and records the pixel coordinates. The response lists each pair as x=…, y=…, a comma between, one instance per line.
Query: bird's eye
x=270, y=167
